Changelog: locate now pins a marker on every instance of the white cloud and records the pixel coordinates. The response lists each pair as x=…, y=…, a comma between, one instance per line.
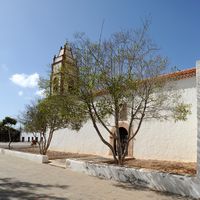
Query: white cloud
x=24, y=80
x=20, y=93
x=40, y=93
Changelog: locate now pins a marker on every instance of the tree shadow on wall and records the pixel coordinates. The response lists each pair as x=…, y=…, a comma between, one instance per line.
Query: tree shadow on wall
x=11, y=188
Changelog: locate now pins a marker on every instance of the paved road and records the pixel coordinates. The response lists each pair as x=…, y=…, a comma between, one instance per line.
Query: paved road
x=15, y=145
x=22, y=179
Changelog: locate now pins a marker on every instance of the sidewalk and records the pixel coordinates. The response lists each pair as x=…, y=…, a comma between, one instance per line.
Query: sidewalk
x=22, y=179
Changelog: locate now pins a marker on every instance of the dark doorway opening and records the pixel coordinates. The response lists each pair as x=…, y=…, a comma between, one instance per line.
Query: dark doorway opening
x=123, y=139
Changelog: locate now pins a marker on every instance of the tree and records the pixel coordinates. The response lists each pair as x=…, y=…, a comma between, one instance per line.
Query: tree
x=125, y=71
x=7, y=125
x=48, y=115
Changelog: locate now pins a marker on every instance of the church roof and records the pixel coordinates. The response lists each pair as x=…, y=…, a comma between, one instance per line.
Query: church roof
x=186, y=73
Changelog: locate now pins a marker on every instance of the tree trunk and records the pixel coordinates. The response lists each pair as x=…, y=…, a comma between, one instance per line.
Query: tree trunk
x=47, y=143
x=89, y=105
x=118, y=140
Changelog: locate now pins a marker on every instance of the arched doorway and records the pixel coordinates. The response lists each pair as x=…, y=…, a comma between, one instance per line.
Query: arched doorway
x=123, y=139
x=124, y=130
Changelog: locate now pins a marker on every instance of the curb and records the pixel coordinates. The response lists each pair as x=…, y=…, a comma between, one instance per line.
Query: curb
x=28, y=156
x=184, y=185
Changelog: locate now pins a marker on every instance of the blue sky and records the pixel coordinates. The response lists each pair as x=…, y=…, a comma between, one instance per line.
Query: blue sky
x=32, y=31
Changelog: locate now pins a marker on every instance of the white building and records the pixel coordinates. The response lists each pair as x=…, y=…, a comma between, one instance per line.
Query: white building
x=167, y=140
x=29, y=137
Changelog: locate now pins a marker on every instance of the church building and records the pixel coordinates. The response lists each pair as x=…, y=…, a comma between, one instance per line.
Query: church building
x=160, y=140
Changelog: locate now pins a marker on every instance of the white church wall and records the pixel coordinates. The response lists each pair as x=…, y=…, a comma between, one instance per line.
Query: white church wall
x=85, y=141
x=169, y=140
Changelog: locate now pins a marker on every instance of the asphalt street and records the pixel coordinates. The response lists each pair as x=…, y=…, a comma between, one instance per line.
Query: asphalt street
x=23, y=179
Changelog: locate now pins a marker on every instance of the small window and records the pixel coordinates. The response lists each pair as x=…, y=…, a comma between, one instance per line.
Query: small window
x=28, y=139
x=22, y=139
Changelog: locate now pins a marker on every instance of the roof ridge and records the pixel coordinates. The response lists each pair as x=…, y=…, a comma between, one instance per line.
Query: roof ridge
x=186, y=73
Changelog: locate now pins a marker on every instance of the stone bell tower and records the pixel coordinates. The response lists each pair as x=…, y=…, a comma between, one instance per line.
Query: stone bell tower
x=63, y=71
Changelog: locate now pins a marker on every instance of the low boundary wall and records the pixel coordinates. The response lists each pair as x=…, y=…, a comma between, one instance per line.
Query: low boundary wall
x=28, y=156
x=184, y=185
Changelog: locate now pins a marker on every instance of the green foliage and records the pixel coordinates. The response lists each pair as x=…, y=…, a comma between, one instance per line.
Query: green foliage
x=33, y=120
x=9, y=121
x=60, y=112
x=4, y=130
x=181, y=112
x=50, y=114
x=44, y=85
x=7, y=129
x=53, y=113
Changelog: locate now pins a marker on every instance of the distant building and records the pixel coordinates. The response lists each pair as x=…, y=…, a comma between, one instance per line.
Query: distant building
x=29, y=137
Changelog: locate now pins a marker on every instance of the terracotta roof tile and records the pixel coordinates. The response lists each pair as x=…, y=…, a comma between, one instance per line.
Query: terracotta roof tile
x=186, y=73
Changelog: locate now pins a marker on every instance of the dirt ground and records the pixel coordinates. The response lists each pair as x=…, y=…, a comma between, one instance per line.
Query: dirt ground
x=55, y=154
x=163, y=166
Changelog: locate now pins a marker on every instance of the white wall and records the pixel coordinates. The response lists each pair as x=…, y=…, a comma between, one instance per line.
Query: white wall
x=156, y=140
x=169, y=140
x=85, y=141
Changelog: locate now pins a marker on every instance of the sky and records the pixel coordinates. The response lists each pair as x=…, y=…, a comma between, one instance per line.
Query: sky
x=32, y=31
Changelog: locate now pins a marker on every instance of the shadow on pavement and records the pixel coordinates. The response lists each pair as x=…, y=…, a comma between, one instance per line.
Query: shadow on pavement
x=130, y=187
x=10, y=188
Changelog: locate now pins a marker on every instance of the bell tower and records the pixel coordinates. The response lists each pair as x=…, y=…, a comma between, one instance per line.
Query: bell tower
x=63, y=71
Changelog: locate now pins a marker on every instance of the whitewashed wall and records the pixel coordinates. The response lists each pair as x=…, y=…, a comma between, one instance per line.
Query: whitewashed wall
x=85, y=141
x=156, y=140
x=171, y=140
